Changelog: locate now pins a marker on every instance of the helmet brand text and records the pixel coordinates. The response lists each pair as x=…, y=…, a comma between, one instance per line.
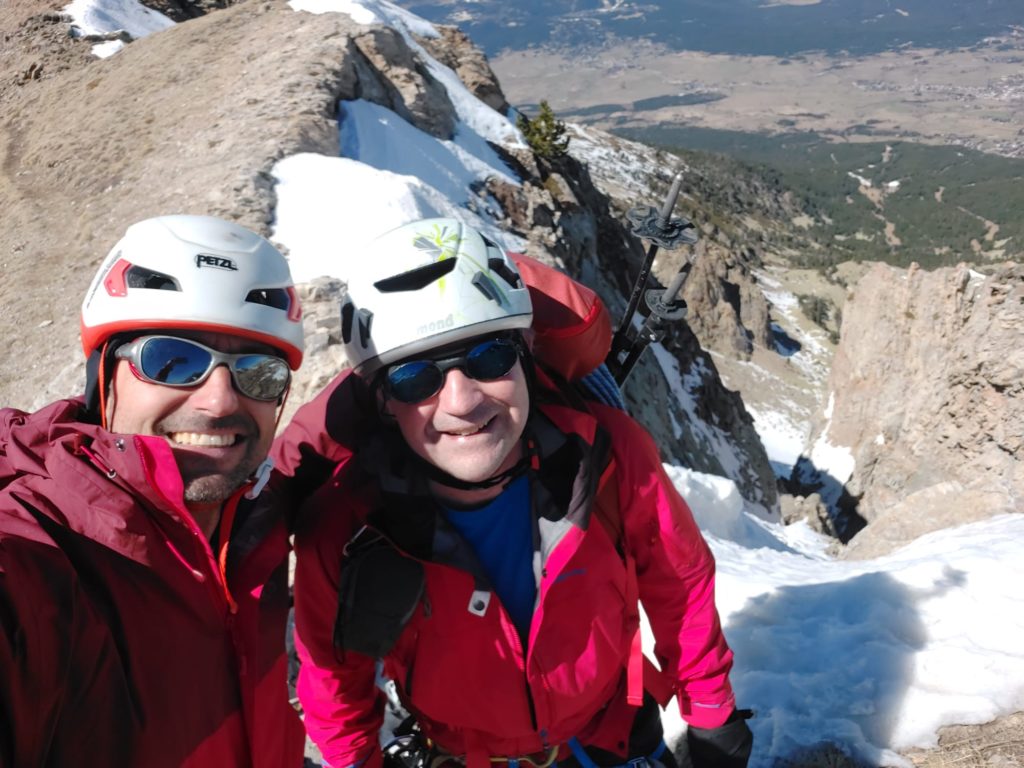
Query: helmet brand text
x=437, y=325
x=219, y=262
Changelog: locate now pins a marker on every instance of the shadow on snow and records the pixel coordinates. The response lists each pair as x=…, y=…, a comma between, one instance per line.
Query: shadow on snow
x=826, y=666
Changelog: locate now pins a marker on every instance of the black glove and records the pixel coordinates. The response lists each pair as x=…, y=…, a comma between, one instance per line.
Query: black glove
x=727, y=746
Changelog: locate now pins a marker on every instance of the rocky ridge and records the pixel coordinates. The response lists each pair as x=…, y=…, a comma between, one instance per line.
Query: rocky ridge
x=925, y=385
x=92, y=145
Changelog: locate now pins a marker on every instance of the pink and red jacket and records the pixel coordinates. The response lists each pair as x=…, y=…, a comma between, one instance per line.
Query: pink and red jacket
x=464, y=672
x=126, y=641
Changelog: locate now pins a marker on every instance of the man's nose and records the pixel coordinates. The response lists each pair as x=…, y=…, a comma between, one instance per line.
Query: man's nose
x=217, y=395
x=460, y=393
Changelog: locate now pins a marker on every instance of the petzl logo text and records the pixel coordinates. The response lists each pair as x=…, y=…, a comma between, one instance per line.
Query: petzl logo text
x=207, y=260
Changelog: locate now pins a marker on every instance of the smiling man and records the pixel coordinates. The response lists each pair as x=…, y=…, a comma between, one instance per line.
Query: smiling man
x=143, y=578
x=488, y=538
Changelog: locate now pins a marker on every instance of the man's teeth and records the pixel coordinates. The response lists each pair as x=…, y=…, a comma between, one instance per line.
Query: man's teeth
x=466, y=432
x=202, y=438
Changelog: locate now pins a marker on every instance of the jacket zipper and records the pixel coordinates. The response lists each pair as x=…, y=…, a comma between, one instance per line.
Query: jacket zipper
x=216, y=580
x=512, y=634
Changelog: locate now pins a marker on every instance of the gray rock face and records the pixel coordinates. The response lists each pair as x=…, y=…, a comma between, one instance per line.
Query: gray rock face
x=809, y=508
x=928, y=386
x=728, y=311
x=183, y=10
x=456, y=51
x=395, y=77
x=677, y=394
x=942, y=505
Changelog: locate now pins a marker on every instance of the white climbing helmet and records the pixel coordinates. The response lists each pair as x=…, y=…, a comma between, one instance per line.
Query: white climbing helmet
x=426, y=285
x=194, y=273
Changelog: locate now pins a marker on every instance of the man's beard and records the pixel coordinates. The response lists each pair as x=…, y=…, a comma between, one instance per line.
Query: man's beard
x=219, y=486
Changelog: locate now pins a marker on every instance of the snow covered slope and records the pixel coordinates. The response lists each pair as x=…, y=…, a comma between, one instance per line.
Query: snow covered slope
x=873, y=656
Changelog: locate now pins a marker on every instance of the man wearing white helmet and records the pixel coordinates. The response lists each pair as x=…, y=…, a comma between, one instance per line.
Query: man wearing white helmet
x=143, y=579
x=487, y=536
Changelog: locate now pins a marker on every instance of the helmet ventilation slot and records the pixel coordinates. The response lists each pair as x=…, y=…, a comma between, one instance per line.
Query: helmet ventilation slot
x=140, y=277
x=416, y=279
x=507, y=274
x=277, y=298
x=486, y=286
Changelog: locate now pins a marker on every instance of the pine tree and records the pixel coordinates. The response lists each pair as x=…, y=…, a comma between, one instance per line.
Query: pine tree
x=545, y=133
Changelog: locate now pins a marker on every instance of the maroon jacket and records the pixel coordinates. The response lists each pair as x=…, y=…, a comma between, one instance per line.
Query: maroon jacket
x=124, y=641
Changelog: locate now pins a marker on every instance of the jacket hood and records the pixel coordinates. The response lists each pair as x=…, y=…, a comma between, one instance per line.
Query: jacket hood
x=26, y=438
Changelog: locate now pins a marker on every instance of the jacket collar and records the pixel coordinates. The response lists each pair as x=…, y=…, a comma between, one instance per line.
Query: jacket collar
x=59, y=458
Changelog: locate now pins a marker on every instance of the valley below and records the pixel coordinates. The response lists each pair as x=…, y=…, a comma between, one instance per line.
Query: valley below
x=971, y=97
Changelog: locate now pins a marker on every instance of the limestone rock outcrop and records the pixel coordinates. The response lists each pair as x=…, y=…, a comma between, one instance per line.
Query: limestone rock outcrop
x=735, y=214
x=728, y=311
x=928, y=399
x=456, y=51
x=398, y=79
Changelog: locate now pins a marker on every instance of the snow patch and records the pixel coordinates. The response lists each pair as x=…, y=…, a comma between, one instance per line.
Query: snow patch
x=863, y=182
x=102, y=17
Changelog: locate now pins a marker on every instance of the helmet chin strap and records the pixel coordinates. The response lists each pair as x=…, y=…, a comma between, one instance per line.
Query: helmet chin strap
x=438, y=475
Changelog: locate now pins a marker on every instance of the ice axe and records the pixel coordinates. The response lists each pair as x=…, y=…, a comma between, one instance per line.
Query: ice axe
x=661, y=230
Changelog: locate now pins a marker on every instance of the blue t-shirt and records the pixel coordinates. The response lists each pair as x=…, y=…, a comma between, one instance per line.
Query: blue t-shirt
x=501, y=534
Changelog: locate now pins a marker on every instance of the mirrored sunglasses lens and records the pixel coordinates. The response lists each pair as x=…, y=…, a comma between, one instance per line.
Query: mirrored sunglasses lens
x=414, y=382
x=491, y=360
x=173, y=361
x=261, y=377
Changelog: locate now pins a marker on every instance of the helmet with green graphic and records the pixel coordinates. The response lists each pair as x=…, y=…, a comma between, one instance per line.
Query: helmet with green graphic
x=426, y=285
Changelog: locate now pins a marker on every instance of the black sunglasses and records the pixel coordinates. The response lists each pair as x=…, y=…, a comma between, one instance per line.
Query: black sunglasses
x=177, y=362
x=418, y=380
